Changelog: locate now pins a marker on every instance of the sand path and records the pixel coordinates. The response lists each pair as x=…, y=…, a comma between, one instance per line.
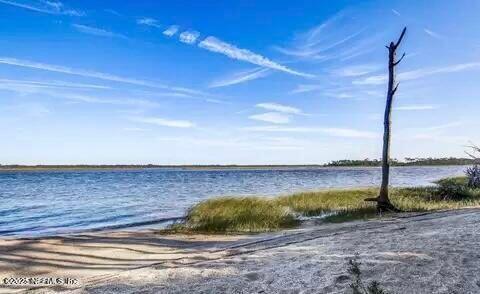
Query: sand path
x=423, y=253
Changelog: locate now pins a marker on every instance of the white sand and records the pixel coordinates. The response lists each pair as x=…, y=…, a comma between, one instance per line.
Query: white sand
x=430, y=253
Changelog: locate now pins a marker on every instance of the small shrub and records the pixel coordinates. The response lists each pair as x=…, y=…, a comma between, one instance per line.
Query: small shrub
x=452, y=189
x=473, y=175
x=357, y=285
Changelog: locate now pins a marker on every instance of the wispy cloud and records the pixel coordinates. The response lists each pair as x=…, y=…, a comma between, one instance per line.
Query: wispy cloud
x=396, y=12
x=134, y=129
x=189, y=37
x=164, y=122
x=334, y=132
x=372, y=80
x=172, y=30
x=147, y=21
x=142, y=103
x=48, y=7
x=52, y=84
x=305, y=89
x=279, y=108
x=271, y=117
x=433, y=34
x=416, y=107
x=349, y=34
x=356, y=70
x=439, y=127
x=305, y=43
x=34, y=110
x=240, y=77
x=80, y=98
x=97, y=31
x=339, y=95
x=419, y=73
x=112, y=11
x=218, y=46
x=66, y=92
x=258, y=143
x=312, y=50
x=329, y=40
x=94, y=74
x=441, y=133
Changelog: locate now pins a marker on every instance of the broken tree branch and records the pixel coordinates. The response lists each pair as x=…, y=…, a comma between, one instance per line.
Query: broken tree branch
x=400, y=60
x=395, y=89
x=401, y=38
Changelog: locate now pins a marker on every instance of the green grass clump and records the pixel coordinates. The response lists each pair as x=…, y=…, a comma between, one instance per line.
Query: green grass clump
x=246, y=214
x=261, y=214
x=455, y=180
x=319, y=202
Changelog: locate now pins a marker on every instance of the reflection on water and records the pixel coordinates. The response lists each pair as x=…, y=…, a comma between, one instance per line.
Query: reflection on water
x=48, y=202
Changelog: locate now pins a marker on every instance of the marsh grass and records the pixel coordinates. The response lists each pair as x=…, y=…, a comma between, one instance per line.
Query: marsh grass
x=245, y=214
x=262, y=214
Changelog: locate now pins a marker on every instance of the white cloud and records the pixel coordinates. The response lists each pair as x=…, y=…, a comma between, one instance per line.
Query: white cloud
x=396, y=12
x=419, y=73
x=34, y=110
x=453, y=124
x=172, y=30
x=311, y=38
x=326, y=41
x=147, y=21
x=416, y=107
x=52, y=84
x=189, y=37
x=271, y=117
x=334, y=132
x=94, y=74
x=97, y=31
x=112, y=11
x=164, y=122
x=356, y=70
x=432, y=34
x=340, y=95
x=134, y=129
x=115, y=101
x=218, y=46
x=247, y=143
x=279, y=108
x=241, y=77
x=62, y=92
x=372, y=80
x=305, y=88
x=48, y=7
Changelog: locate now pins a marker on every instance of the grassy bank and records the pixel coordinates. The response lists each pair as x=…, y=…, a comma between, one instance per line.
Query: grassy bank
x=261, y=214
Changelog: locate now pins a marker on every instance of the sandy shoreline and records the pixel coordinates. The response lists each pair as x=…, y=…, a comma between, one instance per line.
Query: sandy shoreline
x=422, y=253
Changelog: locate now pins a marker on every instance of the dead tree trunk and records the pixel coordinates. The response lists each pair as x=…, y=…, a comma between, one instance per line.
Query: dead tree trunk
x=383, y=201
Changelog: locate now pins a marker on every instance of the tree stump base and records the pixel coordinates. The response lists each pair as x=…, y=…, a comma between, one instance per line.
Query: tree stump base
x=383, y=206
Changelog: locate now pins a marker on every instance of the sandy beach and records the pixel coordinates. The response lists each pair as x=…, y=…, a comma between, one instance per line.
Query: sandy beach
x=416, y=253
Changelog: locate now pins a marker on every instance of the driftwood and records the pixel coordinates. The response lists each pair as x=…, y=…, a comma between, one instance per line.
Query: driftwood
x=383, y=201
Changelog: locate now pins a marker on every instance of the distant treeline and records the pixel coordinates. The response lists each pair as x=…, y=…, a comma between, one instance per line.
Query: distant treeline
x=407, y=162
x=364, y=162
x=145, y=166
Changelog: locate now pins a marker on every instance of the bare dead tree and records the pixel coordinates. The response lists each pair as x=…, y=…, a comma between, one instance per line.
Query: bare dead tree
x=474, y=153
x=383, y=201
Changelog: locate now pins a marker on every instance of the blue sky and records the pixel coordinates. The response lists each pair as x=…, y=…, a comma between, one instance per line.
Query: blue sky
x=233, y=82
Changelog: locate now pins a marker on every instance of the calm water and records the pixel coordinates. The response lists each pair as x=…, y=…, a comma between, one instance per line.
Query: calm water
x=49, y=202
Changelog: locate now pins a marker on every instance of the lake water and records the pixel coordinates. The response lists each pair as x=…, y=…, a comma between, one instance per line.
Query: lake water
x=51, y=202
